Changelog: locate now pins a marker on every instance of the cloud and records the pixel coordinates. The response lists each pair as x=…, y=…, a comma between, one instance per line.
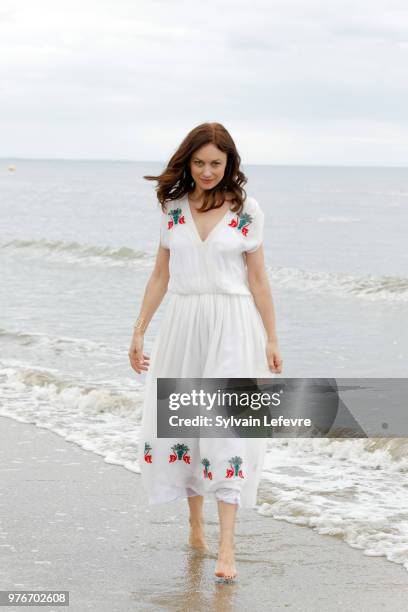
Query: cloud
x=97, y=78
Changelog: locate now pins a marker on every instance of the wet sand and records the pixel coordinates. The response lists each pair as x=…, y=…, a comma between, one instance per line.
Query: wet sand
x=70, y=521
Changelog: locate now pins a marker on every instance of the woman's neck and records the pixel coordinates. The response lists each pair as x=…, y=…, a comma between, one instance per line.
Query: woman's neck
x=197, y=195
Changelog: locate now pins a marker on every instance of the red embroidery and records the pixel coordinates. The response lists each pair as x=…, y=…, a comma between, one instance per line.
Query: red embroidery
x=241, y=222
x=206, y=472
x=176, y=218
x=235, y=467
x=147, y=454
x=180, y=452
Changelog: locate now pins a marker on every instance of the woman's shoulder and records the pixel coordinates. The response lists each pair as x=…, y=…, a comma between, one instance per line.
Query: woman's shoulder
x=170, y=205
x=251, y=205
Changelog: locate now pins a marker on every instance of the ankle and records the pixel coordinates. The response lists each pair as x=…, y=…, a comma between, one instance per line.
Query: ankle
x=226, y=547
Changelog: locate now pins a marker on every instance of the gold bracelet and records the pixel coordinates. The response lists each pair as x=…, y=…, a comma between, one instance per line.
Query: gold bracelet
x=140, y=324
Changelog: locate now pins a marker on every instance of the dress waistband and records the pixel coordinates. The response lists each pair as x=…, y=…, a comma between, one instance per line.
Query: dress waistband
x=190, y=293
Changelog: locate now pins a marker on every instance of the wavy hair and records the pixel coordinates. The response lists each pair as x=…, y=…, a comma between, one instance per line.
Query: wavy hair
x=176, y=181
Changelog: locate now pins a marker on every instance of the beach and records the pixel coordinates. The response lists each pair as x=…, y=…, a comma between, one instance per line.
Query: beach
x=78, y=244
x=71, y=521
x=99, y=140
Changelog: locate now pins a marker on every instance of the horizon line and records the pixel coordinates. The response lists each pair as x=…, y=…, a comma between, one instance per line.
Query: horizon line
x=149, y=161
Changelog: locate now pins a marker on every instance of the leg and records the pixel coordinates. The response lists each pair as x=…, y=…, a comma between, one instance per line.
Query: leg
x=197, y=537
x=225, y=566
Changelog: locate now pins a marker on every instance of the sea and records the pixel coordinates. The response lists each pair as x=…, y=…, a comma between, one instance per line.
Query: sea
x=78, y=241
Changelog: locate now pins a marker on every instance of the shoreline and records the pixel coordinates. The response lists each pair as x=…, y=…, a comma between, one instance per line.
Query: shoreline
x=71, y=521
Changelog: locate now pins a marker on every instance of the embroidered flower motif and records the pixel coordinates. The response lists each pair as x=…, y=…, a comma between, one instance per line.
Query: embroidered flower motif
x=234, y=469
x=206, y=464
x=147, y=453
x=177, y=217
x=179, y=452
x=241, y=222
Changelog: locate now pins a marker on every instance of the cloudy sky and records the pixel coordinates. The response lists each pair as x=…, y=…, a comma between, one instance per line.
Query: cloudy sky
x=294, y=81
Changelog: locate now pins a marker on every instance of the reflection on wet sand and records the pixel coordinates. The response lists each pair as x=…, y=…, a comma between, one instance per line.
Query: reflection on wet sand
x=197, y=589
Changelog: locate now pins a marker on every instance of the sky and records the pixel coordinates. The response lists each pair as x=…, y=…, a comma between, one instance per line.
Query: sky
x=293, y=81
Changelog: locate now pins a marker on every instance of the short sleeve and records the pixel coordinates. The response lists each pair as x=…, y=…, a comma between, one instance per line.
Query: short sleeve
x=255, y=227
x=164, y=234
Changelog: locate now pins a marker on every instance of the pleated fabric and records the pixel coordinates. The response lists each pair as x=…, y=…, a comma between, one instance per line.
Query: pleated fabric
x=203, y=336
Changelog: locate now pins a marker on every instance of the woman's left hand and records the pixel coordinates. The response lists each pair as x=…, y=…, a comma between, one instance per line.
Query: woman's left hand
x=273, y=355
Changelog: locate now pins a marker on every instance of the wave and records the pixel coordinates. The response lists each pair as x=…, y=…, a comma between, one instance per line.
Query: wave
x=17, y=379
x=66, y=393
x=98, y=417
x=374, y=288
x=48, y=389
x=388, y=288
x=75, y=252
x=390, y=454
x=58, y=343
x=351, y=489
x=354, y=490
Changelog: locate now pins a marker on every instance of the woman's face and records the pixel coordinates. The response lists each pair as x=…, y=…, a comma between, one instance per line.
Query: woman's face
x=207, y=166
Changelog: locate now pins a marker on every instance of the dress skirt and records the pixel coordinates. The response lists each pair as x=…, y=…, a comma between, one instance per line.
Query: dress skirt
x=203, y=335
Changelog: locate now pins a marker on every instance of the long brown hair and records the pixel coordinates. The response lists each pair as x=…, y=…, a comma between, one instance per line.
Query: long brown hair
x=176, y=181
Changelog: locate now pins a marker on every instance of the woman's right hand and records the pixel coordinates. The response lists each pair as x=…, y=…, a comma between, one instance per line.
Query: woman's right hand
x=138, y=360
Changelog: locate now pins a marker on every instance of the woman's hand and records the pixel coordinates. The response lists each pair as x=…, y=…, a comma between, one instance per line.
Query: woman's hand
x=138, y=360
x=273, y=355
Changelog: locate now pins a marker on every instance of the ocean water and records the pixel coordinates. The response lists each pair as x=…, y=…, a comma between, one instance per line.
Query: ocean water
x=77, y=244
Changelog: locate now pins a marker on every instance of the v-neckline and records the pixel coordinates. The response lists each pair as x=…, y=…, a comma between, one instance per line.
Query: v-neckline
x=194, y=226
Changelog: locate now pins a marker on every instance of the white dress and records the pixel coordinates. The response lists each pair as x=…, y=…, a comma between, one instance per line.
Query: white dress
x=211, y=329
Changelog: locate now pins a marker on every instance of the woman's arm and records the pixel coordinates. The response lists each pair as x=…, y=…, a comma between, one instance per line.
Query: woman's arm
x=156, y=289
x=259, y=285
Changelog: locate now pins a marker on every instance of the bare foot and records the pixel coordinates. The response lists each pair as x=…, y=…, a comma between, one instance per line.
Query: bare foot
x=197, y=537
x=225, y=566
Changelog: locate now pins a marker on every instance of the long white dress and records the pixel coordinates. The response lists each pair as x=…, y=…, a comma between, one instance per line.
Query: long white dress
x=210, y=329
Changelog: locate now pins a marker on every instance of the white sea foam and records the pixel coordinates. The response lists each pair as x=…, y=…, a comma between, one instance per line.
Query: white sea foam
x=99, y=418
x=352, y=489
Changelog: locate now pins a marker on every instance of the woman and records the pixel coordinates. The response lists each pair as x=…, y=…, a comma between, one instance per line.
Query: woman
x=219, y=323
